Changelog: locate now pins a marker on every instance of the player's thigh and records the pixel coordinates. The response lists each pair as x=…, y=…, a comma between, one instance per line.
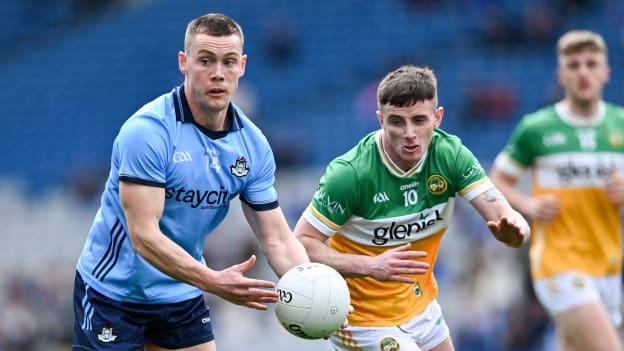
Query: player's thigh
x=566, y=291
x=587, y=327
x=429, y=328
x=610, y=288
x=208, y=346
x=446, y=345
x=101, y=323
x=182, y=326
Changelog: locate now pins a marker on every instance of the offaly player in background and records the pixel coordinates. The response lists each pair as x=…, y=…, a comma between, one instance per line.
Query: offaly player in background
x=176, y=165
x=575, y=149
x=384, y=207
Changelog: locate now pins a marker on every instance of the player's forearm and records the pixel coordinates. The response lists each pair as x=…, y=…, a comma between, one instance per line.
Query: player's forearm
x=285, y=253
x=169, y=257
x=349, y=265
x=507, y=187
x=517, y=199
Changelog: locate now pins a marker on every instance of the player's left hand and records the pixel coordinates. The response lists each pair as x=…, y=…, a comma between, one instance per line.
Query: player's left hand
x=513, y=230
x=615, y=187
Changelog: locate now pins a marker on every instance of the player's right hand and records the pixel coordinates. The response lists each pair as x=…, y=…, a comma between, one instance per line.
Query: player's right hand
x=615, y=187
x=544, y=208
x=396, y=263
x=233, y=286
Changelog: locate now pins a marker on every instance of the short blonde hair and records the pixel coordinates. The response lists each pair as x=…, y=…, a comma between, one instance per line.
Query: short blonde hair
x=579, y=40
x=214, y=24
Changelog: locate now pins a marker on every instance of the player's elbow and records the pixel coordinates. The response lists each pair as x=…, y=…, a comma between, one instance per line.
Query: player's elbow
x=311, y=245
x=139, y=238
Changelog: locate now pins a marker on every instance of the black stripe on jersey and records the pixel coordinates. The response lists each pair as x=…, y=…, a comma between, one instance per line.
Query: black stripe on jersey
x=113, y=253
x=177, y=104
x=260, y=207
x=108, y=249
x=141, y=181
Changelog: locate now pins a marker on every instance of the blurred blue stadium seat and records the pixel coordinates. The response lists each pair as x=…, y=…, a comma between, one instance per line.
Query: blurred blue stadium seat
x=65, y=100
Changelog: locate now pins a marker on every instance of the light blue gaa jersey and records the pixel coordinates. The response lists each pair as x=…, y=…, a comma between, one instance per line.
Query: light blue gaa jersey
x=201, y=171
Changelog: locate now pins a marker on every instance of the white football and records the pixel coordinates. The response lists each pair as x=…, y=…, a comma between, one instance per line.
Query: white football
x=313, y=300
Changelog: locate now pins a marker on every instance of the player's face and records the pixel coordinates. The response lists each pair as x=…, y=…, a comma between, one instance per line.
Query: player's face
x=407, y=131
x=212, y=66
x=583, y=74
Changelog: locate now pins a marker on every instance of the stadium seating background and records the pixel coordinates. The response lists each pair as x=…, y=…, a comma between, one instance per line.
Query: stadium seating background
x=72, y=71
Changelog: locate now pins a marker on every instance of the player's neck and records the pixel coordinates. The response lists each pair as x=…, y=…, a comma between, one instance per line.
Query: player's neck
x=395, y=159
x=582, y=108
x=215, y=121
x=210, y=119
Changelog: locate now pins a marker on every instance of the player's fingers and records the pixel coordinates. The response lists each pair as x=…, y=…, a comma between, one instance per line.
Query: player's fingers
x=411, y=264
x=258, y=293
x=412, y=271
x=245, y=266
x=493, y=226
x=266, y=299
x=255, y=305
x=257, y=283
x=406, y=255
x=344, y=324
x=401, y=248
x=401, y=279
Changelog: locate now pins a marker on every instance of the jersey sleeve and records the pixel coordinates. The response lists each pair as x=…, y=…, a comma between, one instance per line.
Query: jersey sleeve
x=260, y=193
x=334, y=200
x=469, y=175
x=517, y=154
x=142, y=146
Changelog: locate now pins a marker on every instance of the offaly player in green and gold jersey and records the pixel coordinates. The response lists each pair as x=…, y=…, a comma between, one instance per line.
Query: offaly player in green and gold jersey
x=384, y=207
x=575, y=149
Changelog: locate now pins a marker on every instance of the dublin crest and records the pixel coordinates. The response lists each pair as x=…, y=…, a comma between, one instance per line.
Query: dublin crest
x=240, y=168
x=107, y=334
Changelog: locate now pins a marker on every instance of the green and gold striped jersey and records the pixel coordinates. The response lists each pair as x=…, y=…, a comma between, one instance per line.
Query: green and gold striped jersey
x=570, y=157
x=367, y=205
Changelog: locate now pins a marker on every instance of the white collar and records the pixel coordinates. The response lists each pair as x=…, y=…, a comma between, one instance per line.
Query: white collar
x=563, y=111
x=390, y=165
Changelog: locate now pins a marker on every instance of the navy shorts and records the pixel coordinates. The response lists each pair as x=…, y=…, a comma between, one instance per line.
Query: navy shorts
x=101, y=323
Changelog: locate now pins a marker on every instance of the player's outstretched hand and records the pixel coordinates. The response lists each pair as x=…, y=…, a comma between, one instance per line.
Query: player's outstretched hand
x=512, y=230
x=544, y=207
x=233, y=286
x=615, y=187
x=396, y=263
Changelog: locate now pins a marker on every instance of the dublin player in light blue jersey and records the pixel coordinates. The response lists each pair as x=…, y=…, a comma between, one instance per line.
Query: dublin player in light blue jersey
x=176, y=165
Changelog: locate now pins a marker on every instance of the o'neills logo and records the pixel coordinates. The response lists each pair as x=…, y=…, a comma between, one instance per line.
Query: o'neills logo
x=401, y=231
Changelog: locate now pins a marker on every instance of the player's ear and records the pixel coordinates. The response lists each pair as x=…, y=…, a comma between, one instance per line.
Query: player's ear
x=243, y=64
x=182, y=62
x=560, y=76
x=438, y=114
x=379, y=117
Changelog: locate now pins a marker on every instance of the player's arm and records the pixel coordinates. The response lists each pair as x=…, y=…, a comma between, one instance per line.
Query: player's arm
x=544, y=207
x=391, y=265
x=278, y=243
x=143, y=206
x=506, y=224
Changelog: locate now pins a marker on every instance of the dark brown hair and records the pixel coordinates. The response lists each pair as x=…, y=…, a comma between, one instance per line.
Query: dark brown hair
x=406, y=86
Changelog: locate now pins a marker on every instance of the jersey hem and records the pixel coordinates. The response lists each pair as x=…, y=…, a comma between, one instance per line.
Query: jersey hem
x=100, y=288
x=390, y=322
